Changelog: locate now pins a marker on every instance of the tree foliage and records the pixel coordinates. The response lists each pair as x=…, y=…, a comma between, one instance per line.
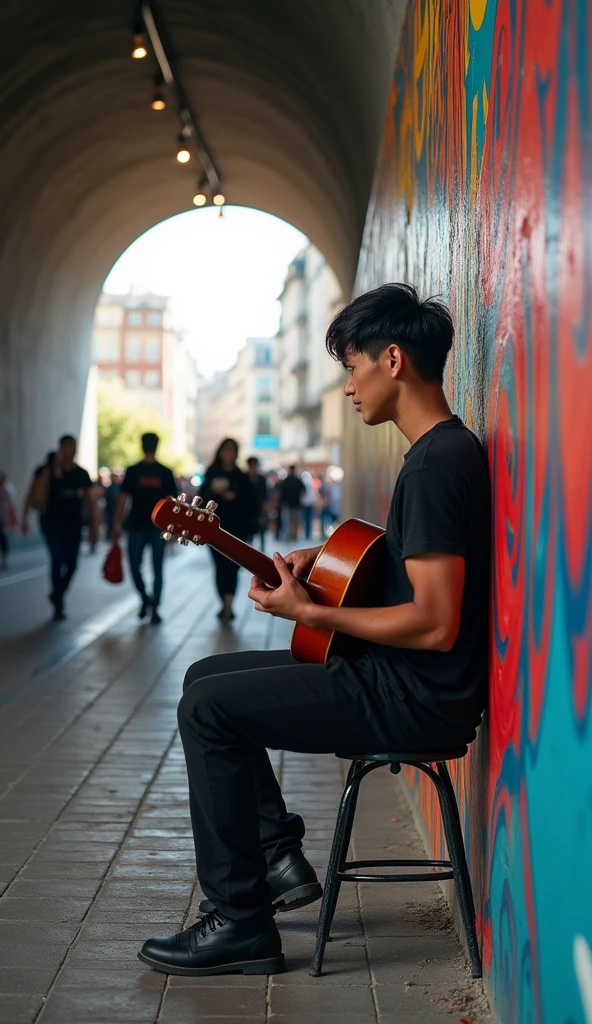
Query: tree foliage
x=121, y=423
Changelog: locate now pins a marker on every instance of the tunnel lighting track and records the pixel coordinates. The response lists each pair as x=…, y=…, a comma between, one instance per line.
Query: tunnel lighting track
x=190, y=130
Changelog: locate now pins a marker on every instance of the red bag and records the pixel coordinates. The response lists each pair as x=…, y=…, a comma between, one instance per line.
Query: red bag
x=113, y=565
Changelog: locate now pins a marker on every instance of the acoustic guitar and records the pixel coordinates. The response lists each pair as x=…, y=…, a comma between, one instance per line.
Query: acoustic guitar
x=348, y=570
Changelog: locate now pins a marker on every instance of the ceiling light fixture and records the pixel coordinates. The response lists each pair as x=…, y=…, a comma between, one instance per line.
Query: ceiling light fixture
x=158, y=99
x=219, y=199
x=183, y=154
x=139, y=48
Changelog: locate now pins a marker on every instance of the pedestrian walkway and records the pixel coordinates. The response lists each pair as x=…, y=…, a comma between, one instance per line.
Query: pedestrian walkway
x=95, y=845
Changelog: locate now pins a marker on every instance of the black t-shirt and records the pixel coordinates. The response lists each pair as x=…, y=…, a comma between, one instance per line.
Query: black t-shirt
x=441, y=504
x=261, y=490
x=65, y=494
x=291, y=491
x=146, y=483
x=236, y=514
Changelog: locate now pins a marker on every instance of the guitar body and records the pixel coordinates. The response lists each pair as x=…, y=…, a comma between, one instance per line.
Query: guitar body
x=349, y=570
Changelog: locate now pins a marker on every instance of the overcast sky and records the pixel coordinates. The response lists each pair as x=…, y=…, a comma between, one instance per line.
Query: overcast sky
x=223, y=276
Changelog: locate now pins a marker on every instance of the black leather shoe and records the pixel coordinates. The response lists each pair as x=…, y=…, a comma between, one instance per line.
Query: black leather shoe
x=215, y=945
x=292, y=880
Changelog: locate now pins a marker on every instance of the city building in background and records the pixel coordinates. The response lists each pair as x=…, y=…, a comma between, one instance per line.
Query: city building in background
x=310, y=383
x=134, y=341
x=242, y=403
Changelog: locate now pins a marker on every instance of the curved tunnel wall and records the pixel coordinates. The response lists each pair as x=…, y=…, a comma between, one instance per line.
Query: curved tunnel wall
x=484, y=192
x=289, y=97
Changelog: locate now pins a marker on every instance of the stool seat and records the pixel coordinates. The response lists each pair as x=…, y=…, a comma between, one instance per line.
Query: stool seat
x=411, y=757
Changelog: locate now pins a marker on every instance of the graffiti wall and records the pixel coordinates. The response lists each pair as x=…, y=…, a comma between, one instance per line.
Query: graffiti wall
x=483, y=192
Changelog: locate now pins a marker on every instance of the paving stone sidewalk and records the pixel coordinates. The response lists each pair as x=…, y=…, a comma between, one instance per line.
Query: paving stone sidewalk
x=96, y=851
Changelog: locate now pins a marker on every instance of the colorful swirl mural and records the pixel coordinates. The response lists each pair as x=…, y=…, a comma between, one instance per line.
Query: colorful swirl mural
x=483, y=192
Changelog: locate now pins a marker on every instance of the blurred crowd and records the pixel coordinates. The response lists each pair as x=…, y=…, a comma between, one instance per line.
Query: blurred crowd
x=289, y=503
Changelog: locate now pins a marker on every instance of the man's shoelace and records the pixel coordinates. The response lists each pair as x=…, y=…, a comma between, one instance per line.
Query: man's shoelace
x=207, y=923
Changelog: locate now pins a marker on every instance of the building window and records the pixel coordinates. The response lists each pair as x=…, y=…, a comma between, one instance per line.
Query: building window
x=264, y=385
x=134, y=319
x=133, y=378
x=263, y=424
x=132, y=348
x=153, y=319
x=108, y=374
x=263, y=355
x=152, y=350
x=152, y=379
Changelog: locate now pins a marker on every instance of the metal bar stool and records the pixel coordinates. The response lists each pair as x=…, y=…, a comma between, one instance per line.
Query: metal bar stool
x=339, y=870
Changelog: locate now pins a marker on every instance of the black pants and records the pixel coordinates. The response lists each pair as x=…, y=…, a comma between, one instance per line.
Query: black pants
x=136, y=542
x=3, y=542
x=63, y=543
x=233, y=707
x=226, y=574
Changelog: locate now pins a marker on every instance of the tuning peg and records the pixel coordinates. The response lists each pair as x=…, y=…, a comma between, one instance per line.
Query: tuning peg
x=183, y=541
x=182, y=497
x=196, y=502
x=166, y=535
x=211, y=506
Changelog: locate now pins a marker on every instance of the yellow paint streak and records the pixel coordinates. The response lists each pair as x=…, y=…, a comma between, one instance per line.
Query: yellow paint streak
x=477, y=11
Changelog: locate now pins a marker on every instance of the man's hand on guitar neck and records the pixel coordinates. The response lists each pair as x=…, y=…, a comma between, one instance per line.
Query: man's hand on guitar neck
x=287, y=601
x=301, y=562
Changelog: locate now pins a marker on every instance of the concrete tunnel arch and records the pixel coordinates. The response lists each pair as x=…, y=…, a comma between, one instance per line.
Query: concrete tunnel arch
x=290, y=98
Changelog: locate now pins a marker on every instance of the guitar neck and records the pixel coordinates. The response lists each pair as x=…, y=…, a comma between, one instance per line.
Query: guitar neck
x=246, y=556
x=257, y=563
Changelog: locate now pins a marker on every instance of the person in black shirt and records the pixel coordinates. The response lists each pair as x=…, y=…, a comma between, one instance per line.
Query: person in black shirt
x=419, y=681
x=291, y=493
x=260, y=520
x=235, y=496
x=145, y=484
x=61, y=492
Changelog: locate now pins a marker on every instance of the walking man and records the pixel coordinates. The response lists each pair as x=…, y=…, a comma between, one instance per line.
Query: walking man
x=260, y=519
x=61, y=492
x=420, y=679
x=292, y=492
x=144, y=484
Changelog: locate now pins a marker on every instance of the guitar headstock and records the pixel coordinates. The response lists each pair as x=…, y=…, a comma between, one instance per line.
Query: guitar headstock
x=187, y=521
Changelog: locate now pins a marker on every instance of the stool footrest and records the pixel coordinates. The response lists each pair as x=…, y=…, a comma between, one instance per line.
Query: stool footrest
x=344, y=871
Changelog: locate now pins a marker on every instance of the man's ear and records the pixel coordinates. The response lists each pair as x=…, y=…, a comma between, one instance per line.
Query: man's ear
x=395, y=357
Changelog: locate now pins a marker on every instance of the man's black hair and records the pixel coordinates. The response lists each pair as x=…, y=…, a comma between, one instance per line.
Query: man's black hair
x=150, y=443
x=67, y=437
x=394, y=314
x=252, y=460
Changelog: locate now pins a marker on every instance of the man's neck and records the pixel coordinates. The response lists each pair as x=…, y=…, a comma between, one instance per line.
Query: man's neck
x=419, y=414
x=149, y=457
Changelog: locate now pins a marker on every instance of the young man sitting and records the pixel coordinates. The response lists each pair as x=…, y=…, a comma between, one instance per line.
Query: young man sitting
x=420, y=681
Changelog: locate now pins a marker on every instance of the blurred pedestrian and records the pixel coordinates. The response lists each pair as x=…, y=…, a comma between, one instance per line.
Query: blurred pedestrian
x=61, y=492
x=309, y=501
x=8, y=516
x=260, y=520
x=112, y=492
x=331, y=492
x=292, y=491
x=143, y=485
x=235, y=496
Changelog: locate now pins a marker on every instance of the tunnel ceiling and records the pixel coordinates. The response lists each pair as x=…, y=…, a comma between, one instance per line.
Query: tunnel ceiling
x=289, y=96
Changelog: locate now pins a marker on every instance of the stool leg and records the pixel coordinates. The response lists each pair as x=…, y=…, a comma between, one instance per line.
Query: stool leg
x=341, y=838
x=458, y=860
